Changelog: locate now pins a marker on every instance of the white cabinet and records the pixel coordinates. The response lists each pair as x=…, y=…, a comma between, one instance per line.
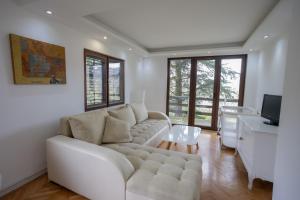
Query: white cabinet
x=228, y=128
x=257, y=147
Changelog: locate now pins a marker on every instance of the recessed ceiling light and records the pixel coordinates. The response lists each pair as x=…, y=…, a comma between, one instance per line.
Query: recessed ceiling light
x=266, y=36
x=105, y=37
x=209, y=52
x=174, y=54
x=250, y=50
x=49, y=12
x=130, y=49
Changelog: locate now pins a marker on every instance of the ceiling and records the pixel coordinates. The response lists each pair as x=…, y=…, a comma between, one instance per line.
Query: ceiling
x=163, y=25
x=169, y=24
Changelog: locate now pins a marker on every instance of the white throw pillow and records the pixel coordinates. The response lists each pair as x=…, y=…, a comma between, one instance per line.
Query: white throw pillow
x=140, y=111
x=125, y=113
x=89, y=126
x=116, y=131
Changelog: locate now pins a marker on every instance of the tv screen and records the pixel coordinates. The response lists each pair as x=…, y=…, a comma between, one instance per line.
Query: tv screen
x=271, y=109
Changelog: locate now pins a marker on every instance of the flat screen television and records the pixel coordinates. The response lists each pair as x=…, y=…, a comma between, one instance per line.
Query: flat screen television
x=271, y=109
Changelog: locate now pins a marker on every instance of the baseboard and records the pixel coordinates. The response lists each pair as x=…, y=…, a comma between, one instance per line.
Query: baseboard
x=22, y=182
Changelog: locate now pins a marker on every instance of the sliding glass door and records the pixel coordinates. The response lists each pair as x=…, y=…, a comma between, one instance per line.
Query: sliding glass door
x=197, y=86
x=205, y=82
x=230, y=82
x=179, y=90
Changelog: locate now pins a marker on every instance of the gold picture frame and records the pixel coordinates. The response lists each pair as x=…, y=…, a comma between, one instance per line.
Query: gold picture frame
x=36, y=62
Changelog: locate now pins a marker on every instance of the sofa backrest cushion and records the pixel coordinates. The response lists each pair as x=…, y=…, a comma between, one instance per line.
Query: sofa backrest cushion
x=65, y=128
x=116, y=131
x=125, y=113
x=140, y=111
x=89, y=126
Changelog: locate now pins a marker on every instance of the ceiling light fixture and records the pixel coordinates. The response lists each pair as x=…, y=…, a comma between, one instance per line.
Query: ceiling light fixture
x=49, y=12
x=250, y=50
x=174, y=54
x=130, y=49
x=266, y=36
x=105, y=37
x=209, y=52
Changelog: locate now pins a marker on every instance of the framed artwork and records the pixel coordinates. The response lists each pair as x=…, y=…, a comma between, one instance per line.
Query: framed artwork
x=36, y=62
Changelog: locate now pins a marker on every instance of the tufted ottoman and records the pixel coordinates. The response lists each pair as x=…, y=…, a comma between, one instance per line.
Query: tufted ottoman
x=161, y=174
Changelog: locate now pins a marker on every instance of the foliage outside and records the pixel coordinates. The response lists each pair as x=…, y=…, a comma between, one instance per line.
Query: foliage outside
x=180, y=70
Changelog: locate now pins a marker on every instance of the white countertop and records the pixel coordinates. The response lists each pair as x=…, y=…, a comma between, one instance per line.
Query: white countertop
x=256, y=123
x=235, y=110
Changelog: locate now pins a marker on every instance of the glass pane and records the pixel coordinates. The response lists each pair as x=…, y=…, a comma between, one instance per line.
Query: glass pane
x=114, y=81
x=204, y=92
x=94, y=81
x=179, y=90
x=230, y=81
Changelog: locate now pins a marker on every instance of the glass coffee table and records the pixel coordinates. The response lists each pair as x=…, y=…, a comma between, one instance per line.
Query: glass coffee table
x=182, y=134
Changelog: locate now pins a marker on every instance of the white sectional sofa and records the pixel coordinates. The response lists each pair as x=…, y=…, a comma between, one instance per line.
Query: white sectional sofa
x=118, y=171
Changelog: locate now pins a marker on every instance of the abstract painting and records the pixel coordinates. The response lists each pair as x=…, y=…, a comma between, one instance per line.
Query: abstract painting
x=36, y=62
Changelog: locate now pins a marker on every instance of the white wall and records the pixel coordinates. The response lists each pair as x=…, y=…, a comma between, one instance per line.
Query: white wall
x=153, y=79
x=287, y=166
x=29, y=113
x=271, y=69
x=251, y=80
x=265, y=74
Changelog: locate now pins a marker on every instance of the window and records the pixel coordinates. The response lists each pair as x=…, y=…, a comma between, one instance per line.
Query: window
x=104, y=80
x=197, y=86
x=95, y=80
x=231, y=69
x=179, y=90
x=116, y=81
x=204, y=91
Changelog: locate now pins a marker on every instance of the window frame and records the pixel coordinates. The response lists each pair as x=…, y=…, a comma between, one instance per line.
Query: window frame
x=105, y=80
x=122, y=82
x=216, y=94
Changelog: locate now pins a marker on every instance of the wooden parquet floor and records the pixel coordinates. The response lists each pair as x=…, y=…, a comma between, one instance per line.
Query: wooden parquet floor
x=224, y=177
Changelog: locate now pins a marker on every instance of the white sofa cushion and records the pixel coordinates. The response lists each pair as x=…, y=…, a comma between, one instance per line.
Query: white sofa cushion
x=162, y=174
x=143, y=131
x=125, y=113
x=140, y=112
x=89, y=126
x=116, y=131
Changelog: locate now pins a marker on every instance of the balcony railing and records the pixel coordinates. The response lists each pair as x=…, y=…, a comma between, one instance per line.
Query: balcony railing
x=173, y=102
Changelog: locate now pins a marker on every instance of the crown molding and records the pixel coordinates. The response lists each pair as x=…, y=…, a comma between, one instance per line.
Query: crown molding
x=197, y=47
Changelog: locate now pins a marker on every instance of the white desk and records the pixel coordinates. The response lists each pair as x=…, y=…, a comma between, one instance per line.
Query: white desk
x=257, y=147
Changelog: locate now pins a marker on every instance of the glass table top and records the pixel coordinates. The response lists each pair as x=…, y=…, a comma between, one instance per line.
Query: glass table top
x=183, y=134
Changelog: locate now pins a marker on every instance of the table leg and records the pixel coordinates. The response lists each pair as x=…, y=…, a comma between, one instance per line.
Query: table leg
x=160, y=144
x=197, y=145
x=189, y=148
x=250, y=181
x=169, y=145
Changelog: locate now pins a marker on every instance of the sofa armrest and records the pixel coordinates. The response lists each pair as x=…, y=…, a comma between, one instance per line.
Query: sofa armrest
x=159, y=115
x=93, y=171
